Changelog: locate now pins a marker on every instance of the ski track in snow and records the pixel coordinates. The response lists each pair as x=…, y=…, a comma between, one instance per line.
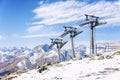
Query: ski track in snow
x=85, y=69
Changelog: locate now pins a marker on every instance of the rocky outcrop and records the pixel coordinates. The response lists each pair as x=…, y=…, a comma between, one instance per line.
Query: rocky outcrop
x=10, y=66
x=105, y=57
x=117, y=53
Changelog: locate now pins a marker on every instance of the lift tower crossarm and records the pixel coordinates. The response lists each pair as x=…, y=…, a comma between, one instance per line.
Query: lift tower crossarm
x=59, y=43
x=93, y=21
x=73, y=32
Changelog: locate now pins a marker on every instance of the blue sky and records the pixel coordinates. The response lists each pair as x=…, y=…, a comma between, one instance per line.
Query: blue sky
x=32, y=22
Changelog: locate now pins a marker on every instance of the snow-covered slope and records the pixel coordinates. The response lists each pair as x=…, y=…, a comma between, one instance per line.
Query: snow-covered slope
x=85, y=69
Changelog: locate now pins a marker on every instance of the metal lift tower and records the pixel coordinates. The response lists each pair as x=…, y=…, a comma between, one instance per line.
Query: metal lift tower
x=59, y=43
x=73, y=32
x=93, y=21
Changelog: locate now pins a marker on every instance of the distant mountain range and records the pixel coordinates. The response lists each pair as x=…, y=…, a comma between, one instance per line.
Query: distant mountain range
x=13, y=59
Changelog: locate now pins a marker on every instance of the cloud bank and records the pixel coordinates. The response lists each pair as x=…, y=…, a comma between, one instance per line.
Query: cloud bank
x=62, y=12
x=73, y=10
x=1, y=37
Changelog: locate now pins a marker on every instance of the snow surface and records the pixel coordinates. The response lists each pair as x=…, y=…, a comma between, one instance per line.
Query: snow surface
x=85, y=69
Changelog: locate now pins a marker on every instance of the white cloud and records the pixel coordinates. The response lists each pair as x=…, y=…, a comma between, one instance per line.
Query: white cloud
x=41, y=2
x=1, y=37
x=73, y=10
x=41, y=35
x=34, y=29
x=40, y=31
x=59, y=12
